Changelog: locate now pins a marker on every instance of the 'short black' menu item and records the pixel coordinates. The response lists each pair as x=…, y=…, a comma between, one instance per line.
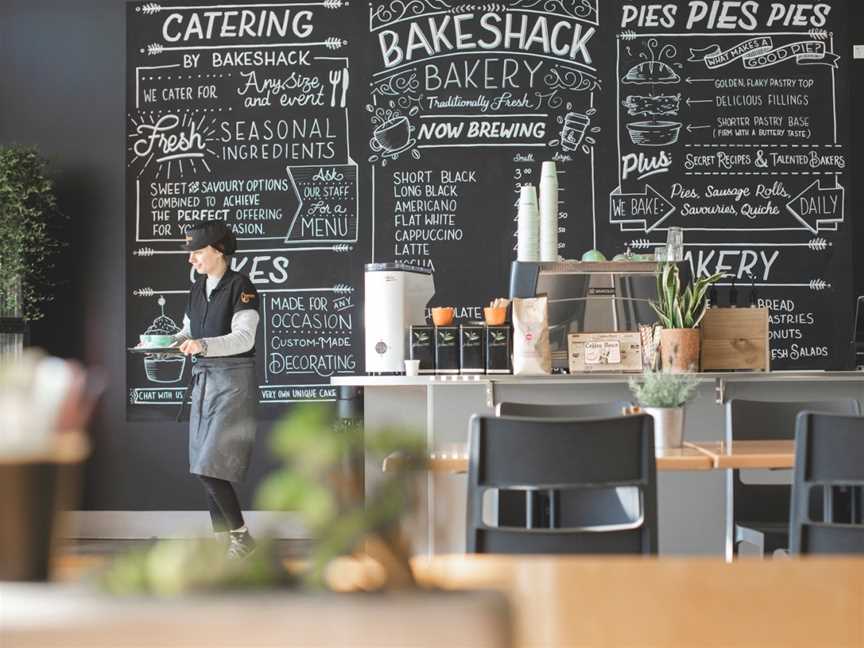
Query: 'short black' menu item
x=239, y=113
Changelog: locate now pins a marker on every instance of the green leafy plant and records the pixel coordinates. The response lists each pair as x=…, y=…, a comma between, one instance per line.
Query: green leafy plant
x=28, y=210
x=344, y=517
x=659, y=389
x=680, y=308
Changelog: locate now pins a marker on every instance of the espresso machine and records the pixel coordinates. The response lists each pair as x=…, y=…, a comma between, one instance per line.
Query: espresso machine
x=396, y=298
x=588, y=297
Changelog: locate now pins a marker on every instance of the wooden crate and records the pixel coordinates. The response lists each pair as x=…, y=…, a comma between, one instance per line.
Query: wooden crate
x=735, y=339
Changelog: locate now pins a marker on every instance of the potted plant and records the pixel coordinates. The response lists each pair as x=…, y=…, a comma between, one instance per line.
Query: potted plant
x=680, y=311
x=663, y=396
x=28, y=209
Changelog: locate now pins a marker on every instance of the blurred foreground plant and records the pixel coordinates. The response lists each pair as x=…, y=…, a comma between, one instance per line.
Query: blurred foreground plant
x=322, y=479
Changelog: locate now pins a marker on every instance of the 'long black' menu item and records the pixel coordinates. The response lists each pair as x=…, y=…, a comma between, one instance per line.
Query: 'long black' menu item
x=240, y=113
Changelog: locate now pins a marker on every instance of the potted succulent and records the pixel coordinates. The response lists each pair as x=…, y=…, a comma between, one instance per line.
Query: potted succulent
x=663, y=396
x=680, y=310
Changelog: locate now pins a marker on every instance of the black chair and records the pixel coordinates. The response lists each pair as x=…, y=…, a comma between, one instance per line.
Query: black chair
x=585, y=410
x=828, y=488
x=758, y=513
x=512, y=505
x=588, y=462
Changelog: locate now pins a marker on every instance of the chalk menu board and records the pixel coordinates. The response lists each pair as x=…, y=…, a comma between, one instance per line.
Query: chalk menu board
x=330, y=134
x=240, y=112
x=732, y=123
x=727, y=119
x=466, y=101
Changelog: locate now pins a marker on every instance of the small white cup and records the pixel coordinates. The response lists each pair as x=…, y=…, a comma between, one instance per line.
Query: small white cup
x=412, y=367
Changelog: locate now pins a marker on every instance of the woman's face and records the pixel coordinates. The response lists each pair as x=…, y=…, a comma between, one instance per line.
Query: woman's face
x=207, y=260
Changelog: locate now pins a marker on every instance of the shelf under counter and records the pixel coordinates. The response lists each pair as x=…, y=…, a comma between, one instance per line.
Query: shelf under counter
x=720, y=380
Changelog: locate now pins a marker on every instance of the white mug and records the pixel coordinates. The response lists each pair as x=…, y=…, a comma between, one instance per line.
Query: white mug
x=412, y=367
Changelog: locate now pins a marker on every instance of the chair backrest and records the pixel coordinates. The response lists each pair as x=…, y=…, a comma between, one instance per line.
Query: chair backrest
x=767, y=420
x=584, y=461
x=585, y=410
x=829, y=471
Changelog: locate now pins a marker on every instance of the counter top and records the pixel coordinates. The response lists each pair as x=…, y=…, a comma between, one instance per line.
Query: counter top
x=594, y=378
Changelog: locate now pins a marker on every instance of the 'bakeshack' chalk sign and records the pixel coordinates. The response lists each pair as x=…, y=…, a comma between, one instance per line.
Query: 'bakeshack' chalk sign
x=465, y=102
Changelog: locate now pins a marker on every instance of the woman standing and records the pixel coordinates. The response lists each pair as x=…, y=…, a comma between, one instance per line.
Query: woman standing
x=219, y=332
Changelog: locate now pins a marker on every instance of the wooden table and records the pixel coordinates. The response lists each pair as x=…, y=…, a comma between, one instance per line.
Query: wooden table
x=714, y=455
x=592, y=601
x=748, y=454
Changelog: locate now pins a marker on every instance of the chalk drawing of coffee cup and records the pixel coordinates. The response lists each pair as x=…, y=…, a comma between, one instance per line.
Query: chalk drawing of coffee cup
x=575, y=125
x=392, y=136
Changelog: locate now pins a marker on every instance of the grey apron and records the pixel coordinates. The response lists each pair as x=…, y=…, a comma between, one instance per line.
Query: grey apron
x=222, y=417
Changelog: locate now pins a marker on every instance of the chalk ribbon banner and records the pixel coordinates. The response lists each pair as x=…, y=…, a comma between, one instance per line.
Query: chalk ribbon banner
x=757, y=53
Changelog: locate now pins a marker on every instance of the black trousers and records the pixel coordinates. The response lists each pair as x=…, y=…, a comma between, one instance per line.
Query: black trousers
x=225, y=512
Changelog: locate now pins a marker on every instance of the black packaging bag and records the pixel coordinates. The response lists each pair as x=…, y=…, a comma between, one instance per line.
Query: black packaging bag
x=447, y=349
x=423, y=347
x=472, y=356
x=499, y=347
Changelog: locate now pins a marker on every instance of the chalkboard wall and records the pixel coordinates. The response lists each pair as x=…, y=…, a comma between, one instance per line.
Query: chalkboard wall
x=69, y=81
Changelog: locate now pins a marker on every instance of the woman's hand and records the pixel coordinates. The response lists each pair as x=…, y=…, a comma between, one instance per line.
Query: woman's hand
x=191, y=347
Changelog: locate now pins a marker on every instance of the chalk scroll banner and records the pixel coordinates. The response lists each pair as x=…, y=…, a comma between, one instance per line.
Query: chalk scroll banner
x=240, y=113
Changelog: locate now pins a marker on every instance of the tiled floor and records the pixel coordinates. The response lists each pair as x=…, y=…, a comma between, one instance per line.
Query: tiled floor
x=77, y=558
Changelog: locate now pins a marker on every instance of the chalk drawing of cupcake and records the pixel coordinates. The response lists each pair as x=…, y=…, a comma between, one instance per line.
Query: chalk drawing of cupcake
x=163, y=367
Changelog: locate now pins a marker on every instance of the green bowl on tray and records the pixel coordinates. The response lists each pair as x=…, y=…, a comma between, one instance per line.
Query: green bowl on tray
x=152, y=341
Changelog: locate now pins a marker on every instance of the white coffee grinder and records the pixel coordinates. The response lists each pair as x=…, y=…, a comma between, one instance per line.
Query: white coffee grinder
x=396, y=298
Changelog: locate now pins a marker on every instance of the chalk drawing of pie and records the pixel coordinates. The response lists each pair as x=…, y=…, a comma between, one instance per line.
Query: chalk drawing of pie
x=163, y=367
x=654, y=133
x=651, y=72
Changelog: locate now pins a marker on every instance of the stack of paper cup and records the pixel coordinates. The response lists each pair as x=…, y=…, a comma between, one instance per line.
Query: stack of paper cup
x=528, y=234
x=549, y=212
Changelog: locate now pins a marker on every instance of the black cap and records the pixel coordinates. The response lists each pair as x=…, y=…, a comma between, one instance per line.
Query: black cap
x=215, y=233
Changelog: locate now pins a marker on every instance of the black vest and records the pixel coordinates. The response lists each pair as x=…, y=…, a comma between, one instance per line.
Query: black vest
x=213, y=318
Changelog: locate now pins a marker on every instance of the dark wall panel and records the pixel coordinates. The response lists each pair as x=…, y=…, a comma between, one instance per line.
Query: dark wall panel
x=62, y=83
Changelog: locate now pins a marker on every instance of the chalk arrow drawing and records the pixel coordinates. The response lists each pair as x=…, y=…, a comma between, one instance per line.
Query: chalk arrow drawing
x=647, y=209
x=818, y=207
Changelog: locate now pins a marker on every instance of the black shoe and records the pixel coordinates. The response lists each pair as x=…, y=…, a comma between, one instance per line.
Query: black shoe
x=240, y=545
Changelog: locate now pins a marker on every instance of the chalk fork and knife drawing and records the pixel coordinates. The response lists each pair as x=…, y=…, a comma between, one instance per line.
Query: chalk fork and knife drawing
x=338, y=78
